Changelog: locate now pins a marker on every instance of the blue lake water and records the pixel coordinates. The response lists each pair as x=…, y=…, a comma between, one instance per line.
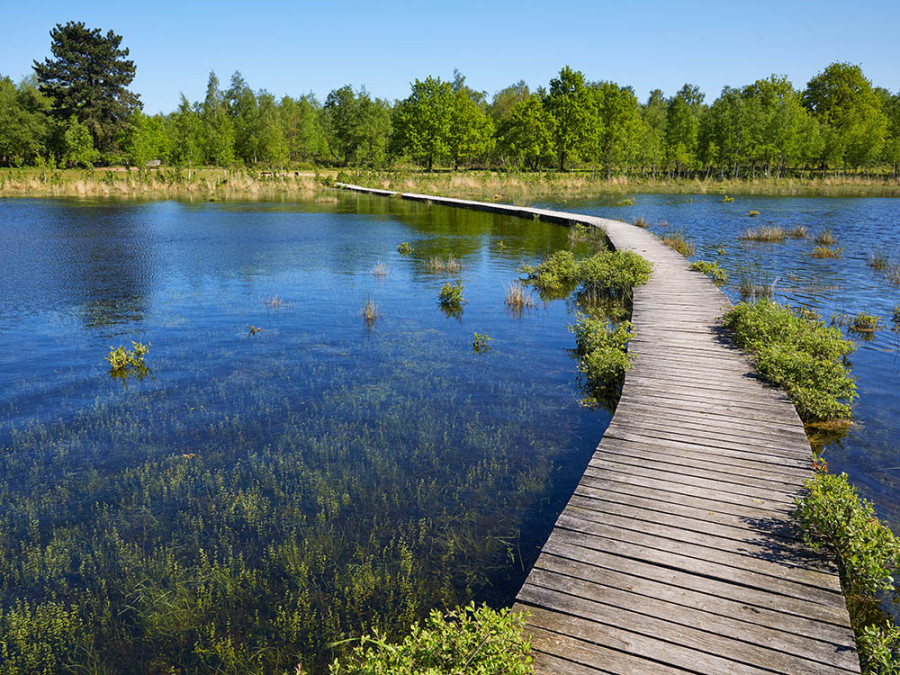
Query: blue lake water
x=257, y=496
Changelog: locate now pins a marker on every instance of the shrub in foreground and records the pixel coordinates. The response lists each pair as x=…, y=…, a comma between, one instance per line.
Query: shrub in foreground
x=801, y=354
x=867, y=552
x=466, y=641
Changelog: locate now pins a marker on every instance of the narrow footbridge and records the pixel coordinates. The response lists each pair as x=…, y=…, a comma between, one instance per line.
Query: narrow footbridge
x=677, y=552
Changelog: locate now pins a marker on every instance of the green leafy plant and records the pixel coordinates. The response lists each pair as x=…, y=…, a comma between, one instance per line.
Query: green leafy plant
x=451, y=295
x=826, y=252
x=712, y=270
x=467, y=641
x=603, y=348
x=752, y=213
x=404, y=248
x=121, y=360
x=857, y=323
x=481, y=343
x=801, y=354
x=879, y=649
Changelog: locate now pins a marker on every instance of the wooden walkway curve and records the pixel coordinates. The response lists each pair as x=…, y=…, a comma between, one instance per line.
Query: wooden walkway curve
x=677, y=552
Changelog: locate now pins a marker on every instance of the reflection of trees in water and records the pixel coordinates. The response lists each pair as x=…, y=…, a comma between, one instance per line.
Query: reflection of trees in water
x=108, y=264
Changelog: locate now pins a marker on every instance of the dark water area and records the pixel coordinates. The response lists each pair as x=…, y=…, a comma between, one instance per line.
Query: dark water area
x=256, y=497
x=870, y=452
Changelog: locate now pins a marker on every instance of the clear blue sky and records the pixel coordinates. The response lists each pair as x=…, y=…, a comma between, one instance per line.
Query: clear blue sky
x=298, y=47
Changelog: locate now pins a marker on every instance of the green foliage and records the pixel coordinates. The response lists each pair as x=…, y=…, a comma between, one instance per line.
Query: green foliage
x=421, y=122
x=569, y=107
x=613, y=273
x=879, y=650
x=556, y=273
x=752, y=213
x=451, y=295
x=711, y=269
x=602, y=347
x=481, y=343
x=404, y=248
x=677, y=241
x=826, y=252
x=470, y=640
x=801, y=354
x=861, y=322
x=122, y=362
x=88, y=78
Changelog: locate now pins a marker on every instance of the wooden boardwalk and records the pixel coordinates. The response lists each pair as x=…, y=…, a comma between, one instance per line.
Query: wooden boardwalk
x=677, y=552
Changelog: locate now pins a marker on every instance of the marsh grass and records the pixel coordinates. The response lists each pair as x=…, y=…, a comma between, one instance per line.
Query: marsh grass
x=370, y=312
x=878, y=259
x=518, y=299
x=826, y=252
x=892, y=273
x=754, y=289
x=825, y=238
x=380, y=270
x=797, y=232
x=276, y=303
x=441, y=264
x=678, y=242
x=766, y=233
x=640, y=221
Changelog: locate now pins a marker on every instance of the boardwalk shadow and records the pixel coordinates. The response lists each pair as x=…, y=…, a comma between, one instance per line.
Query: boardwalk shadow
x=780, y=540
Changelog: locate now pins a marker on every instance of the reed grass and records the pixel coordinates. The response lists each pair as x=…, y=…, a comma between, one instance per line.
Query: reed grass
x=678, y=242
x=755, y=289
x=798, y=232
x=825, y=238
x=519, y=298
x=440, y=264
x=640, y=221
x=380, y=270
x=370, y=311
x=767, y=233
x=893, y=274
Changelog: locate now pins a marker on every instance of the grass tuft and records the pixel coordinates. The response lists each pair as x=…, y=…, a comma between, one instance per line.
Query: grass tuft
x=678, y=242
x=768, y=233
x=825, y=238
x=518, y=298
x=825, y=252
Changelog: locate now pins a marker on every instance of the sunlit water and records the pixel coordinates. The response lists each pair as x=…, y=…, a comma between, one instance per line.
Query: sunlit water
x=870, y=452
x=258, y=496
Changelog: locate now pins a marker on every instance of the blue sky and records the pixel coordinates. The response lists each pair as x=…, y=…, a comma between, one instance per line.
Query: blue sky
x=300, y=47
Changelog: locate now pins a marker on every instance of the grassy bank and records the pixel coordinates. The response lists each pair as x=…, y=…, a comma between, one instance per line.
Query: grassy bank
x=118, y=183
x=511, y=187
x=526, y=188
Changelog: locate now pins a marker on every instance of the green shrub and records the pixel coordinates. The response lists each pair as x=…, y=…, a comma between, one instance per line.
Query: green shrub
x=481, y=343
x=826, y=252
x=451, y=295
x=801, y=354
x=555, y=273
x=121, y=360
x=604, y=356
x=613, y=273
x=712, y=270
x=879, y=650
x=404, y=248
x=832, y=513
x=466, y=641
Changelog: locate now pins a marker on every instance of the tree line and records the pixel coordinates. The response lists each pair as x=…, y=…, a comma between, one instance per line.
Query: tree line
x=77, y=110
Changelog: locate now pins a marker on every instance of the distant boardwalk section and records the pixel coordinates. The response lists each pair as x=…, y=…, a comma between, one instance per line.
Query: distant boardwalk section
x=677, y=553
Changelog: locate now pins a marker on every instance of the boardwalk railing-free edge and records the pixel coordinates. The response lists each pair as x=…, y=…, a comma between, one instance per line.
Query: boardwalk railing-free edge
x=677, y=551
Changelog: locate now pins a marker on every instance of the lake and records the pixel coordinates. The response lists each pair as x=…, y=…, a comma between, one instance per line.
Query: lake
x=259, y=494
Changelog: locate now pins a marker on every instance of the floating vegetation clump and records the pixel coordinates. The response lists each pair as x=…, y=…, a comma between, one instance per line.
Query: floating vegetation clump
x=625, y=202
x=826, y=252
x=712, y=270
x=678, y=242
x=861, y=322
x=726, y=199
x=803, y=355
